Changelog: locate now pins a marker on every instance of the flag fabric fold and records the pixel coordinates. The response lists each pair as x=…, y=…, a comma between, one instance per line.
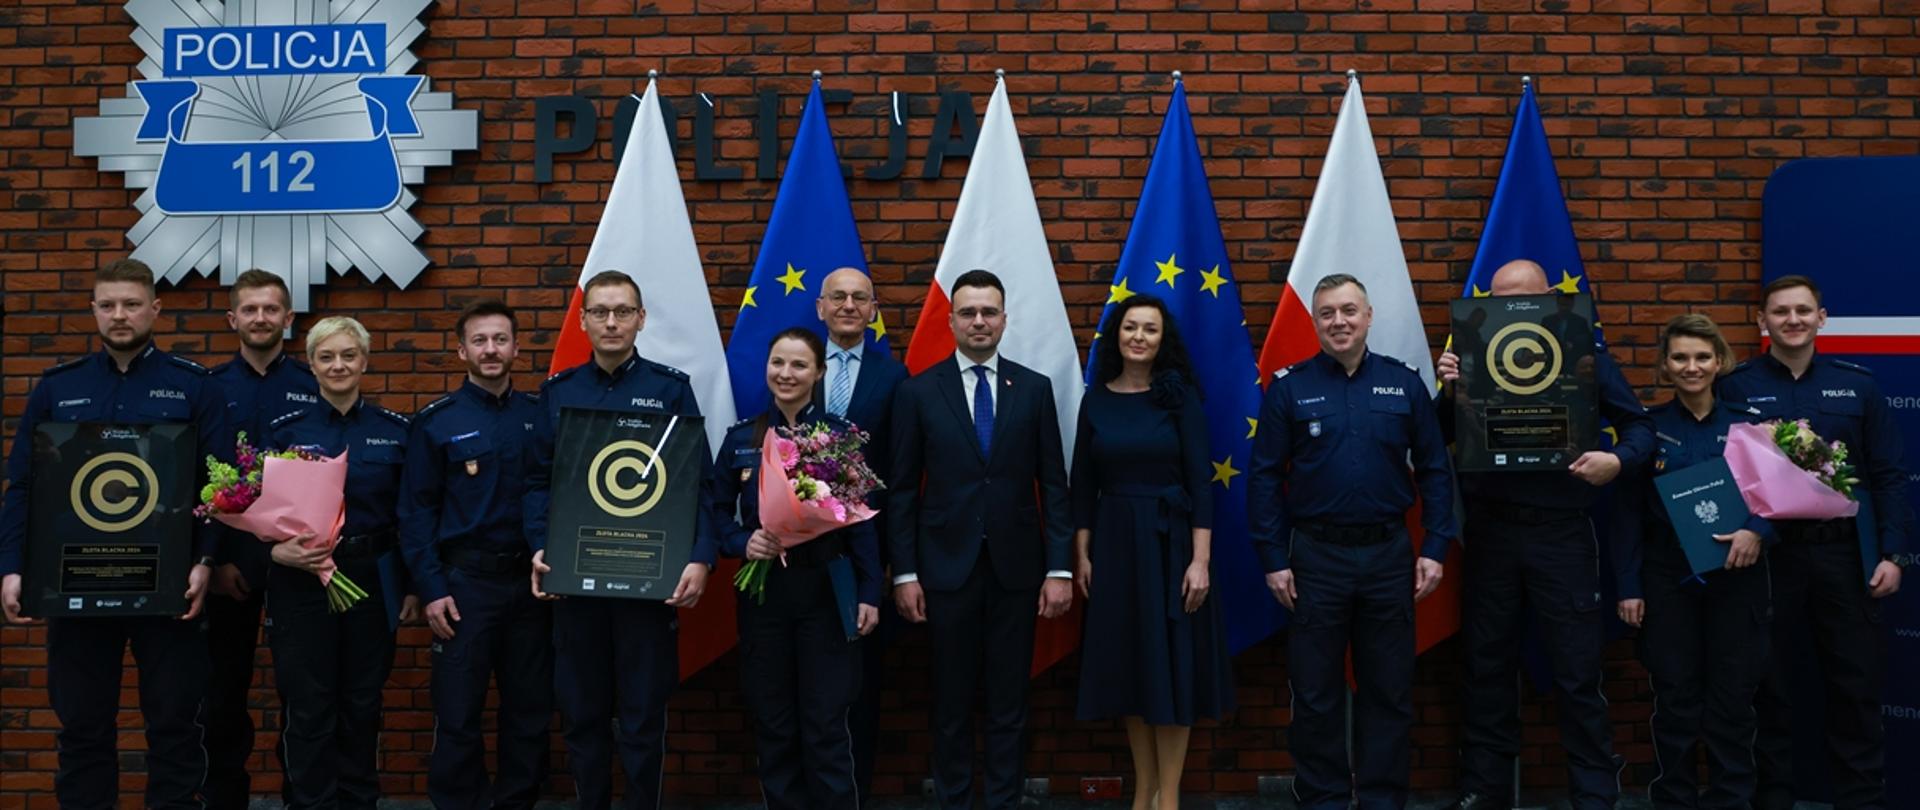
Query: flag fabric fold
x=1176, y=252
x=645, y=232
x=996, y=227
x=1350, y=229
x=810, y=234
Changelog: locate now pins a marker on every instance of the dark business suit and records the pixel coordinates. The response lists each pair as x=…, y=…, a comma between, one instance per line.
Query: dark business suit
x=980, y=544
x=870, y=408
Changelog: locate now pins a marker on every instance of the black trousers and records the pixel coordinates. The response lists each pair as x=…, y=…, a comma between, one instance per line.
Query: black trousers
x=616, y=661
x=799, y=675
x=504, y=634
x=866, y=705
x=1523, y=562
x=83, y=682
x=982, y=636
x=1819, y=585
x=1360, y=596
x=330, y=669
x=1705, y=648
x=233, y=635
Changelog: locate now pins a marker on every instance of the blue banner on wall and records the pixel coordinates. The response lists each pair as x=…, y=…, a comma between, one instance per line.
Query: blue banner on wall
x=1849, y=223
x=278, y=177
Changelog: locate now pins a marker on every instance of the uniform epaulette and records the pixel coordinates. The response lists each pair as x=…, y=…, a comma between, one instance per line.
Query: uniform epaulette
x=1289, y=369
x=391, y=415
x=67, y=366
x=559, y=375
x=1739, y=367
x=668, y=370
x=1850, y=366
x=187, y=364
x=286, y=417
x=432, y=406
x=1398, y=362
x=743, y=422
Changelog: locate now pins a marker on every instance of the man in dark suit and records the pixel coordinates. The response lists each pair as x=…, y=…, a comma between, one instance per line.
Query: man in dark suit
x=859, y=386
x=975, y=555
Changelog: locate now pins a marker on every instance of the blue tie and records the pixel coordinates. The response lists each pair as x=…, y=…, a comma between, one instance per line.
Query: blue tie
x=983, y=409
x=841, y=391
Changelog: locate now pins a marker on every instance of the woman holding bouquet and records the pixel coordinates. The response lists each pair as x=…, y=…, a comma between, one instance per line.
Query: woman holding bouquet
x=330, y=666
x=799, y=669
x=1703, y=639
x=1154, y=652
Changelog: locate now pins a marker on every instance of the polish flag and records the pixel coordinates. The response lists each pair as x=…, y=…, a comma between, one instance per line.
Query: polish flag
x=997, y=228
x=1350, y=229
x=648, y=236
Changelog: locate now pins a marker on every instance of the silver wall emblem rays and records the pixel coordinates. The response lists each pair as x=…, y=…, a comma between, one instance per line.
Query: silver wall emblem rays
x=279, y=134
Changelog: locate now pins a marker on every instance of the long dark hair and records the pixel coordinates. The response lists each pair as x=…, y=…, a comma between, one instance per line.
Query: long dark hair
x=1173, y=351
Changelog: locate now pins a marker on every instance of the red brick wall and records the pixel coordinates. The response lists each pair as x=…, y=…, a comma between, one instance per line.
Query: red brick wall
x=1666, y=115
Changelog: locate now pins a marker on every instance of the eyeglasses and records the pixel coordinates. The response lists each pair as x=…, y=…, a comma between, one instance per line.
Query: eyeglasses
x=841, y=296
x=620, y=314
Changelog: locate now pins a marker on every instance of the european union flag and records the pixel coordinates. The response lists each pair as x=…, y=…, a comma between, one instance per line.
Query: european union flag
x=810, y=235
x=1175, y=251
x=1528, y=218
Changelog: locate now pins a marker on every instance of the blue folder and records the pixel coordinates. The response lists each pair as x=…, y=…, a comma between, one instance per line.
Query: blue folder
x=1703, y=500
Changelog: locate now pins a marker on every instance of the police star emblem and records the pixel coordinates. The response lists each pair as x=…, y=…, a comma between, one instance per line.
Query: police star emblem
x=280, y=134
x=1707, y=511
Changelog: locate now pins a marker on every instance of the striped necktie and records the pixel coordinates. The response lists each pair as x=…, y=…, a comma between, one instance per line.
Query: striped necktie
x=840, y=392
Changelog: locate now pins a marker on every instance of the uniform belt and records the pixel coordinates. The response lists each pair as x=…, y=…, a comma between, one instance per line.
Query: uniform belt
x=817, y=552
x=1526, y=513
x=476, y=561
x=365, y=545
x=1339, y=535
x=1822, y=532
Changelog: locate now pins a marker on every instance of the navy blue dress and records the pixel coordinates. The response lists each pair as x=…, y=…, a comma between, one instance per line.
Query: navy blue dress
x=1141, y=483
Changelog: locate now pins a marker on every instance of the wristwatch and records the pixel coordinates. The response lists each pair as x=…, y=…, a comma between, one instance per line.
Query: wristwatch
x=205, y=559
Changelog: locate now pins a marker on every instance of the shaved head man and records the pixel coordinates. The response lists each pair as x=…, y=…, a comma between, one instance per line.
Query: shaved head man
x=1531, y=551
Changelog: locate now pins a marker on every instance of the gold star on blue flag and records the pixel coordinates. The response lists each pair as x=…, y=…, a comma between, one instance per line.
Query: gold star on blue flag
x=810, y=234
x=1175, y=230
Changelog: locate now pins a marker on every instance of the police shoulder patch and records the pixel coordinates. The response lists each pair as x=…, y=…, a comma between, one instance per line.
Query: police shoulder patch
x=1854, y=367
x=187, y=364
x=435, y=405
x=558, y=376
x=66, y=366
x=402, y=420
x=667, y=370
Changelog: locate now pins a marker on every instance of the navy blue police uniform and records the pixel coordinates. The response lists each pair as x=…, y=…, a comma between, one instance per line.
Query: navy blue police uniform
x=1328, y=492
x=254, y=400
x=84, y=655
x=1817, y=578
x=1531, y=544
x=1703, y=639
x=616, y=661
x=799, y=672
x=870, y=408
x=462, y=535
x=331, y=667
